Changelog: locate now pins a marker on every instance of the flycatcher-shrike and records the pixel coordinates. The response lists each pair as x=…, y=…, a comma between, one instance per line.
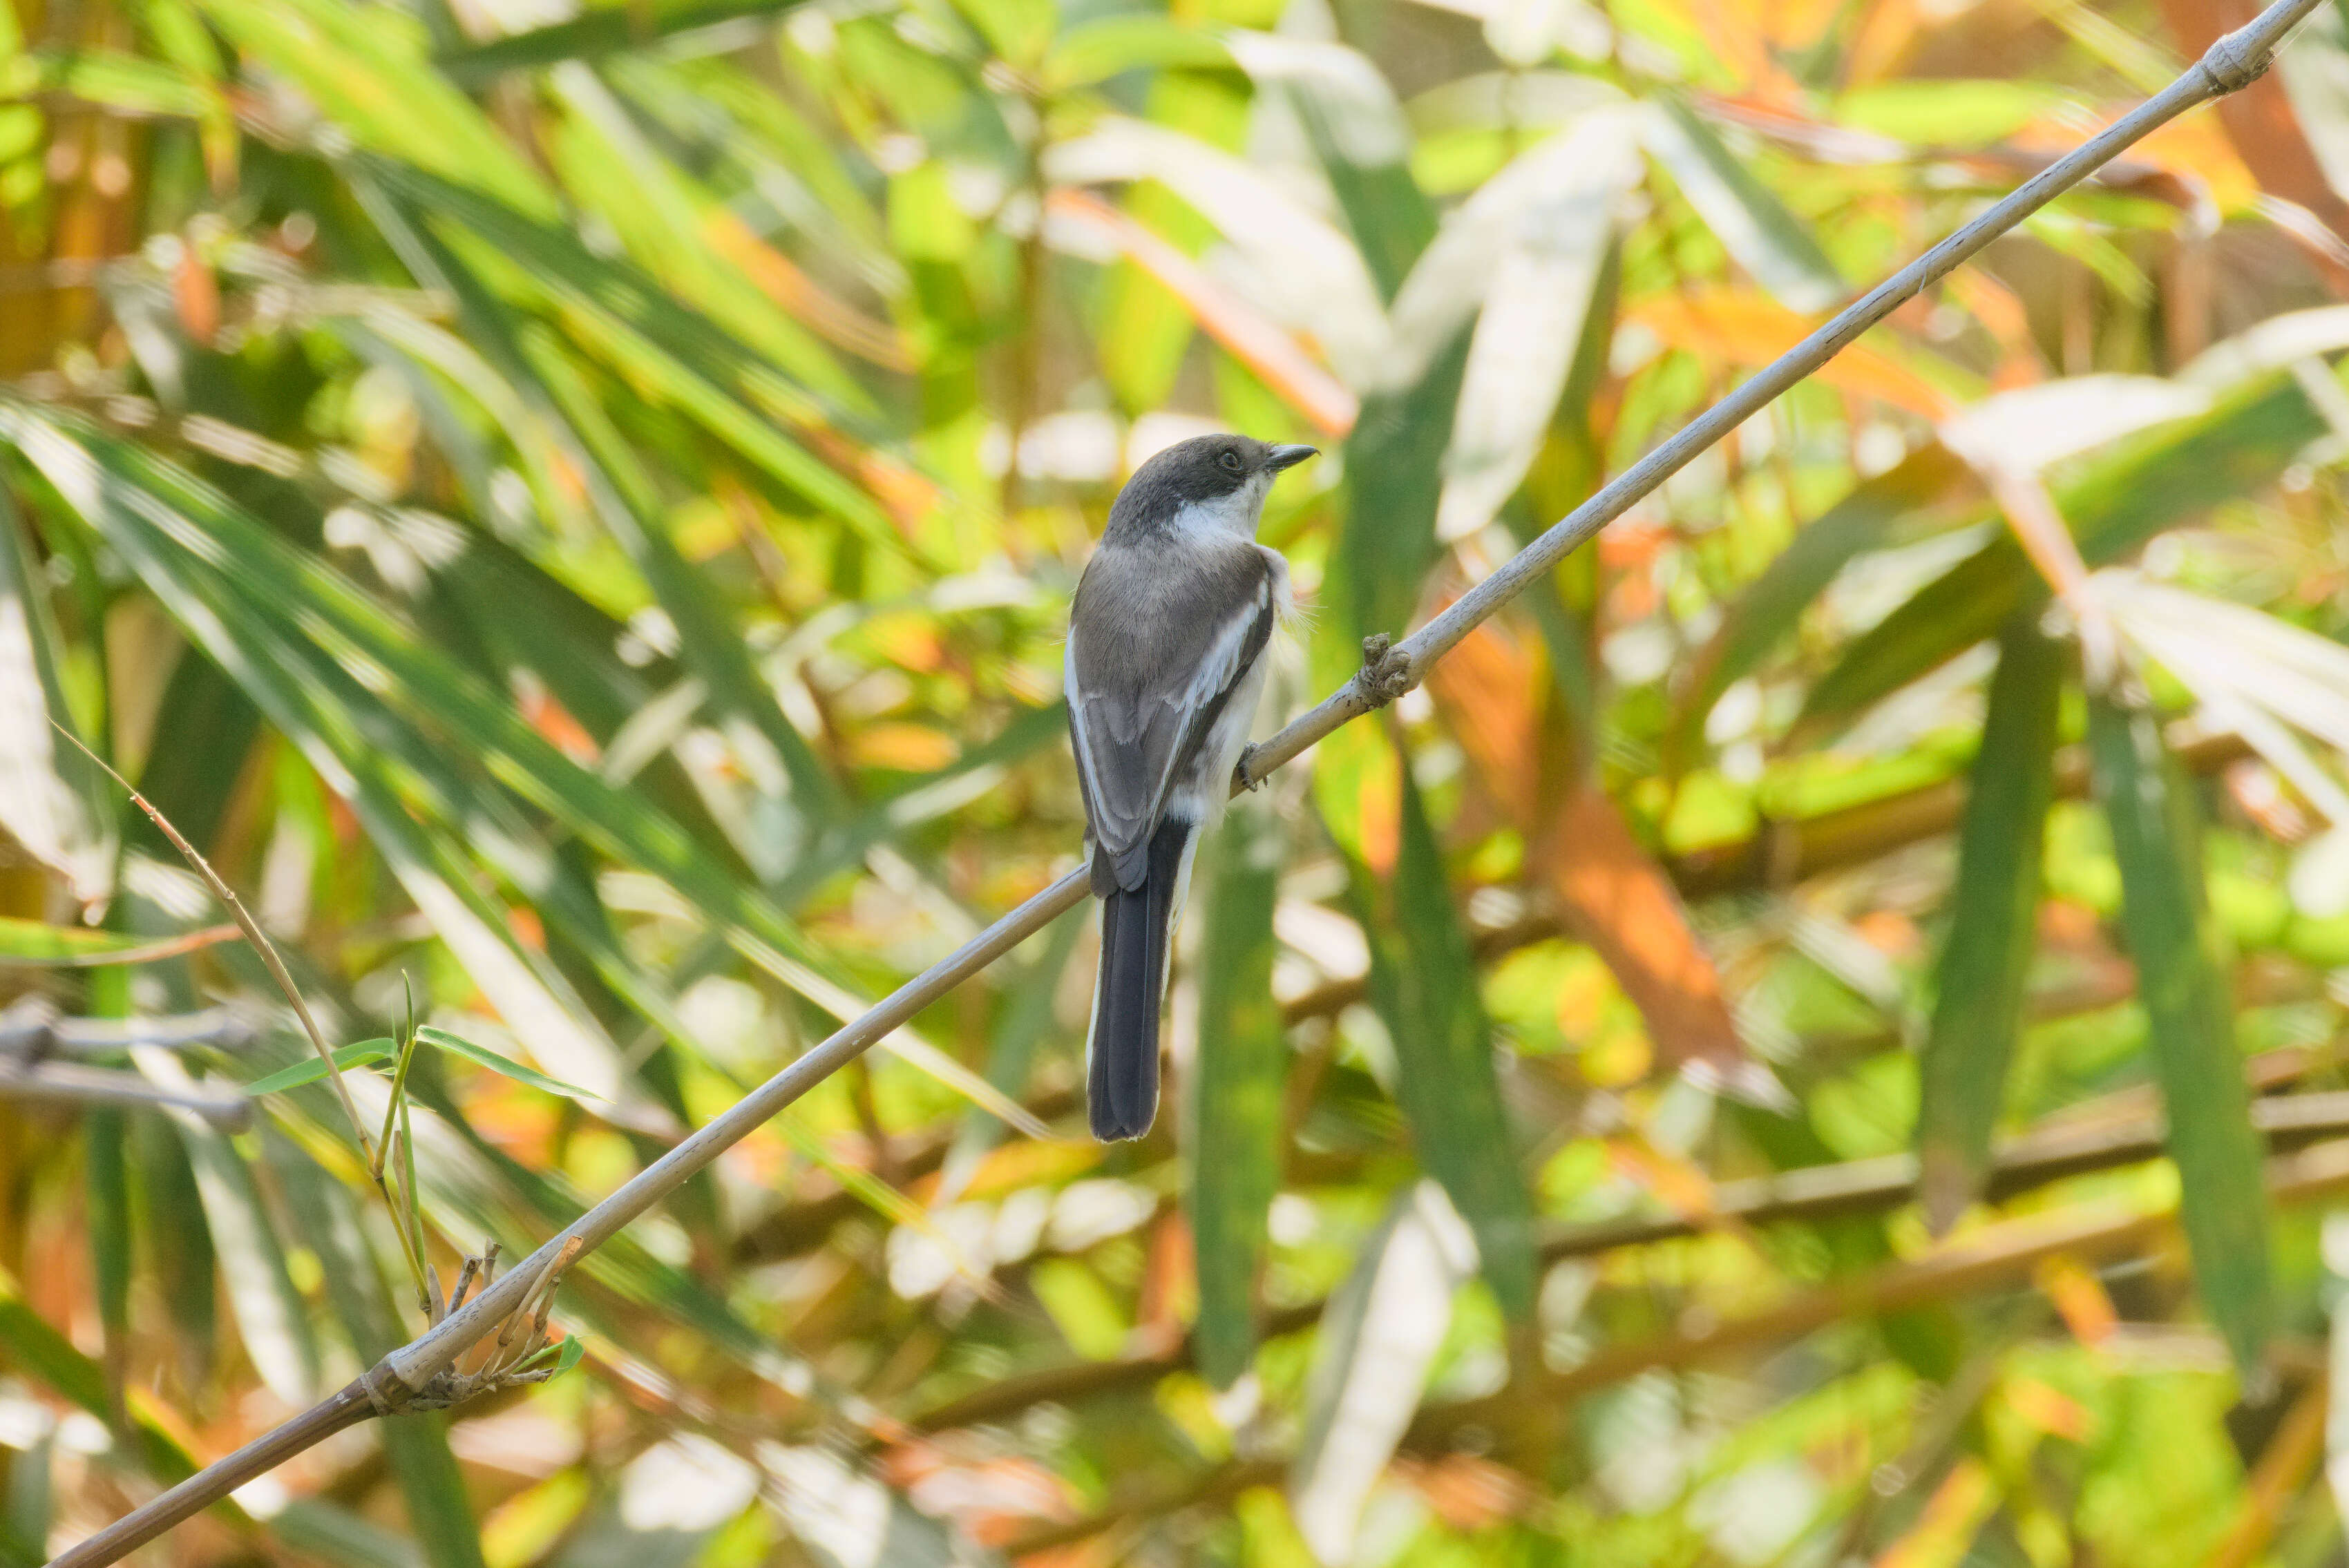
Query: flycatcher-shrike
x=1165, y=664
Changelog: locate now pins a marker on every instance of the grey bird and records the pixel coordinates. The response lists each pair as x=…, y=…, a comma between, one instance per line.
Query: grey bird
x=1166, y=667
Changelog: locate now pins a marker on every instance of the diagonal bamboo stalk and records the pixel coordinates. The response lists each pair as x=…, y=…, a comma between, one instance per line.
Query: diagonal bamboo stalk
x=2232, y=63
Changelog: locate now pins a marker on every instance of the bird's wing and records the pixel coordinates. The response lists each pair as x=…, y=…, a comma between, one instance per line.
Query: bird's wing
x=1153, y=657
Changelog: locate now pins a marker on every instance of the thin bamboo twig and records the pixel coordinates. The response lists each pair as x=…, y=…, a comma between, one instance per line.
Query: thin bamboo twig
x=2232, y=63
x=252, y=933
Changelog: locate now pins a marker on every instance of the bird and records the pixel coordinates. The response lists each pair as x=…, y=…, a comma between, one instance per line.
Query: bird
x=1165, y=664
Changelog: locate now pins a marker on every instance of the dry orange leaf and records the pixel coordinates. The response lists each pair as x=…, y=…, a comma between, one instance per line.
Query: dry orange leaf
x=1255, y=342
x=1615, y=897
x=2048, y=1409
x=1746, y=326
x=1680, y=1185
x=1467, y=1492
x=907, y=747
x=1952, y=1517
x=1485, y=688
x=195, y=295
x=2079, y=1299
x=801, y=296
x=554, y=722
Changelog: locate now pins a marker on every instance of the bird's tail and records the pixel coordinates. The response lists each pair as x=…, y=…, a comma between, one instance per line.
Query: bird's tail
x=1122, y=1056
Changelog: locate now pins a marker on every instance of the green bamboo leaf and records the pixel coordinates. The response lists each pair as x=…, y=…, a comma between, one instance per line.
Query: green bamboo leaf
x=603, y=30
x=456, y=1045
x=24, y=1531
x=1025, y=1023
x=664, y=218
x=1769, y=242
x=1103, y=47
x=2117, y=502
x=205, y=731
x=1978, y=1010
x=705, y=369
x=1766, y=611
x=2183, y=985
x=365, y=68
x=1423, y=985
x=311, y=1070
x=1240, y=1068
x=1395, y=482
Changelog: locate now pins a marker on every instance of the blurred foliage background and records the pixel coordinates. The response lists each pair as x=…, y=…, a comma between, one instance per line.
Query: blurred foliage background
x=1766, y=1058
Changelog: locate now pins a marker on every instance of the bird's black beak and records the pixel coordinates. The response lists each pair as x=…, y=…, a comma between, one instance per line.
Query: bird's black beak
x=1288, y=457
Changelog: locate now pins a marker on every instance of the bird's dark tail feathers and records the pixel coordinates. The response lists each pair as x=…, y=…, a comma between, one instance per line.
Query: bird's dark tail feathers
x=1121, y=1090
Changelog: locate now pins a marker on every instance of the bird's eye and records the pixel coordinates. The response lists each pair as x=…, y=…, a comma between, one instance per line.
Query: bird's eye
x=1231, y=461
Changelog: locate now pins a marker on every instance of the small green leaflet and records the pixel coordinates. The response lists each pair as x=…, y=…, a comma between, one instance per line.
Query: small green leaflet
x=313, y=1070
x=567, y=1354
x=502, y=1066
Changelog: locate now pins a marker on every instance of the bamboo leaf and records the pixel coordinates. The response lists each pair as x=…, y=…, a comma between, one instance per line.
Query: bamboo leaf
x=41, y=1350
x=2154, y=482
x=1978, y=1010
x=1617, y=898
x=1370, y=1363
x=2189, y=1012
x=1349, y=115
x=1422, y=983
x=456, y=1045
x=313, y=1070
x=1769, y=242
x=603, y=30
x=1547, y=276
x=51, y=797
x=1234, y=1111
x=364, y=68
x=178, y=1241
x=269, y=1312
x=31, y=944
x=1765, y=613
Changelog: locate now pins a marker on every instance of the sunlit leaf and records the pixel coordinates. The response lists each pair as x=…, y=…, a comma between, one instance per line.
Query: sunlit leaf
x=1371, y=1360
x=456, y=1045
x=313, y=1070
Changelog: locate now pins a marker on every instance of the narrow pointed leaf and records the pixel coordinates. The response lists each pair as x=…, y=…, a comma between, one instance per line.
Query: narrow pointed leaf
x=1768, y=241
x=2182, y=983
x=1424, y=984
x=1978, y=1009
x=1239, y=1069
x=504, y=1067
x=311, y=1070
x=1370, y=1363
